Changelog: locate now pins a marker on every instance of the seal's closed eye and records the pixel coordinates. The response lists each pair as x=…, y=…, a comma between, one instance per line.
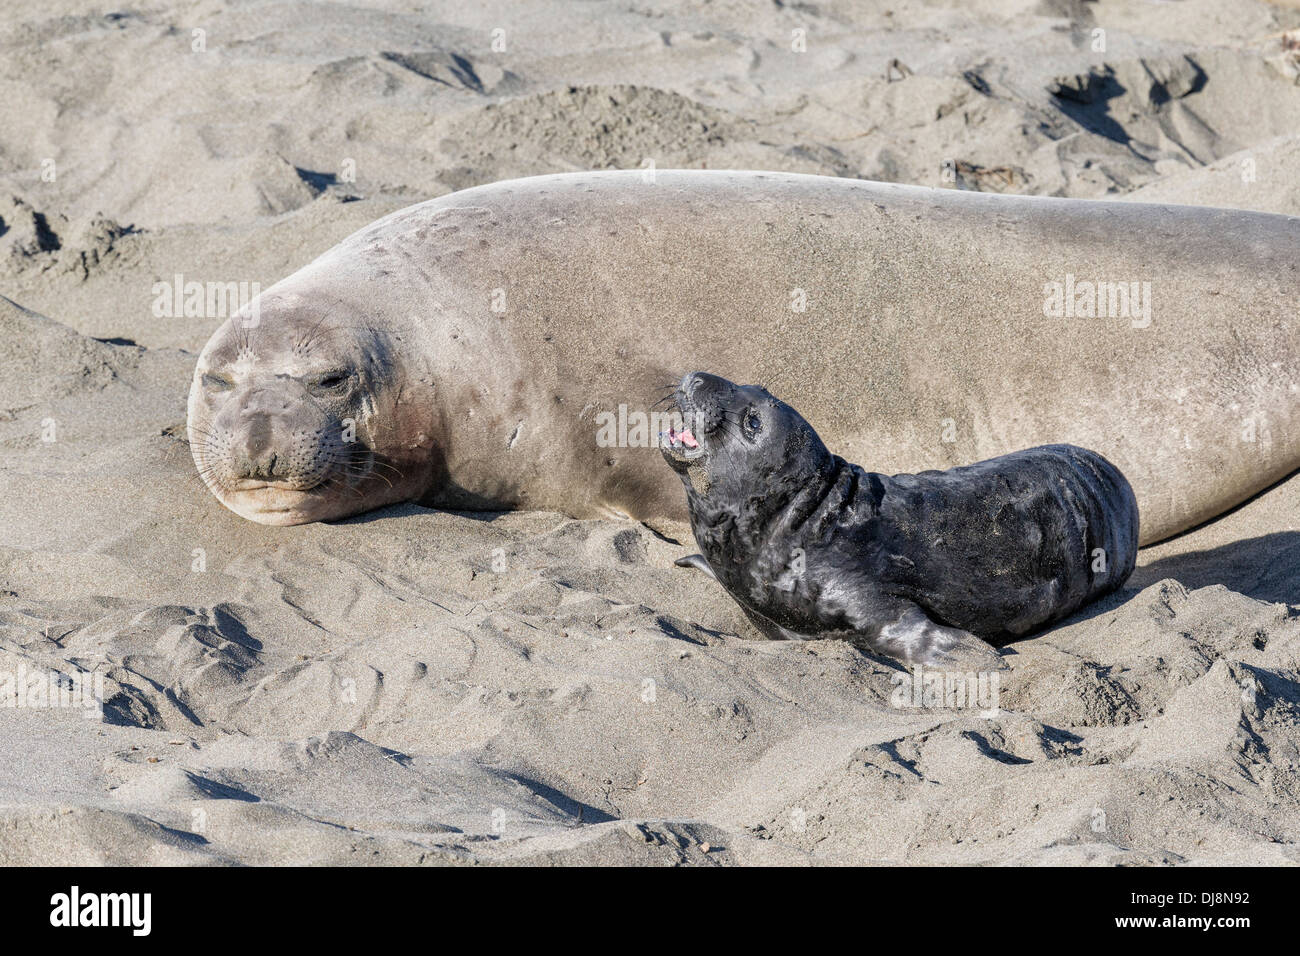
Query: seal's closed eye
x=331, y=381
x=217, y=382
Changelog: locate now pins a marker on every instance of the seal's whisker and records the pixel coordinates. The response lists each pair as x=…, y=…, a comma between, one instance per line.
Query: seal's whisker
x=203, y=461
x=322, y=336
x=366, y=474
x=201, y=430
x=333, y=483
x=202, y=476
x=729, y=427
x=301, y=344
x=361, y=467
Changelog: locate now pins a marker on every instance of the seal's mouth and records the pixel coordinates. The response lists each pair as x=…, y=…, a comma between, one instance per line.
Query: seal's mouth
x=687, y=446
x=259, y=484
x=681, y=446
x=273, y=502
x=266, y=494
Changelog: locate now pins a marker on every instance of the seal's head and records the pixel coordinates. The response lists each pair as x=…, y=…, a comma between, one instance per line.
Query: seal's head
x=738, y=443
x=295, y=417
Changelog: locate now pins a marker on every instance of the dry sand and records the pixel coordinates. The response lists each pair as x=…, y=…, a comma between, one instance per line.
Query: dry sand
x=380, y=690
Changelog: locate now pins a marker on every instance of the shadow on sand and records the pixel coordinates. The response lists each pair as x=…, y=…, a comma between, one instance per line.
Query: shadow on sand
x=1266, y=568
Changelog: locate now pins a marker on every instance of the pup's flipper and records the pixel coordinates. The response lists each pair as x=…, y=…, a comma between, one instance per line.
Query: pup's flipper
x=769, y=629
x=697, y=562
x=915, y=639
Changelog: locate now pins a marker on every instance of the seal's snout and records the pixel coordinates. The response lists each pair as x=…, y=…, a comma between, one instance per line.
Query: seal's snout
x=701, y=387
x=299, y=454
x=255, y=458
x=270, y=435
x=702, y=399
x=701, y=413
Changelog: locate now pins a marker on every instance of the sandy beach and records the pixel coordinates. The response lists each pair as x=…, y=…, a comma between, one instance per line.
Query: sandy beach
x=415, y=686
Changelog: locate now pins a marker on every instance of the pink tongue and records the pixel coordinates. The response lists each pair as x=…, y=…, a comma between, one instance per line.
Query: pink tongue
x=688, y=439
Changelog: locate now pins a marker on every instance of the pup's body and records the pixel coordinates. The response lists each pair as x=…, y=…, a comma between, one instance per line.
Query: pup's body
x=914, y=566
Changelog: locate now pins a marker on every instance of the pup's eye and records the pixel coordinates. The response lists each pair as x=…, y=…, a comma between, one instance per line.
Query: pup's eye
x=752, y=421
x=218, y=383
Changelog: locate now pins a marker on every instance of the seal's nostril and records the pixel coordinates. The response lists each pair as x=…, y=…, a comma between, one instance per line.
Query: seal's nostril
x=256, y=466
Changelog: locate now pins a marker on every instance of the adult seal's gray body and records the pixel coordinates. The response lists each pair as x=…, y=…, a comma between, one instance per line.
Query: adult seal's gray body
x=465, y=352
x=920, y=567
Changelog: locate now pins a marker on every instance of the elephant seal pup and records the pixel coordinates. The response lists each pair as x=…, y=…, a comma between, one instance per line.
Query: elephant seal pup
x=912, y=566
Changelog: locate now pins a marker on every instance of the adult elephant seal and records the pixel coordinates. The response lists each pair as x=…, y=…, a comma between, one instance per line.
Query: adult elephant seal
x=472, y=351
x=923, y=568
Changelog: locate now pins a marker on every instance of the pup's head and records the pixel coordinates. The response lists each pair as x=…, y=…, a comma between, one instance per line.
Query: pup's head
x=739, y=442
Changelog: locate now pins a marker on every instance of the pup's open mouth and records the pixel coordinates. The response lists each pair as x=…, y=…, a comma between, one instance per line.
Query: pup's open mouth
x=680, y=445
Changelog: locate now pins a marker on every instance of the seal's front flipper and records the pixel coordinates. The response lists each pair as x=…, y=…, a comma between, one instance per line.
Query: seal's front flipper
x=769, y=629
x=697, y=562
x=915, y=639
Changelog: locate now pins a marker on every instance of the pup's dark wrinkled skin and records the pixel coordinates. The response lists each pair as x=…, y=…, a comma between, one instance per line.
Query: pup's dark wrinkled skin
x=911, y=566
